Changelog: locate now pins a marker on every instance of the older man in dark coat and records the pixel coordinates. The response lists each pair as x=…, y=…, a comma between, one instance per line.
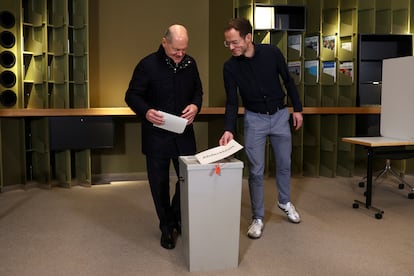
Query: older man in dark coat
x=167, y=80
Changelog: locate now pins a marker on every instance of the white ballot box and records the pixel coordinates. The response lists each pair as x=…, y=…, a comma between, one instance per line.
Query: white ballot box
x=210, y=212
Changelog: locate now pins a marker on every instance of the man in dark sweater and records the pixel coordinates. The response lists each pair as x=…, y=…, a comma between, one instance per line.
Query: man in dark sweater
x=167, y=80
x=254, y=71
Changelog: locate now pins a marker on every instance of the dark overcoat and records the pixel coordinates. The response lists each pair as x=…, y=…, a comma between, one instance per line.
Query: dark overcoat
x=157, y=82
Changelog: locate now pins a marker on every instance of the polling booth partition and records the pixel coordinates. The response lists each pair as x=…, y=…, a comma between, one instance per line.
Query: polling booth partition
x=396, y=138
x=397, y=98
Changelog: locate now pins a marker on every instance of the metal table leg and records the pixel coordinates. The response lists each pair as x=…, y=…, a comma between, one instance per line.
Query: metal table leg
x=368, y=193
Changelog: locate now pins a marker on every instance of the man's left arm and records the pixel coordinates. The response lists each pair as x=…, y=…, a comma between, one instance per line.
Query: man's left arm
x=198, y=88
x=192, y=109
x=292, y=91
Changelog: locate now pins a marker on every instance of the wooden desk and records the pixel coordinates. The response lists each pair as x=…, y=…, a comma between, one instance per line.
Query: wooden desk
x=375, y=147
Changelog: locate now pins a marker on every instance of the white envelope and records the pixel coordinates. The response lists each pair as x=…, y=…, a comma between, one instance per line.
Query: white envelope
x=218, y=153
x=172, y=123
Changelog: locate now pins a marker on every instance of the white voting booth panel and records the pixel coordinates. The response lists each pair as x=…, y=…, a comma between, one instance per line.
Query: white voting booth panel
x=210, y=213
x=397, y=98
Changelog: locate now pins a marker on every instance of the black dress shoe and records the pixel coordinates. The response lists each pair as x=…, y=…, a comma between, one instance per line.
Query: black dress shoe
x=167, y=241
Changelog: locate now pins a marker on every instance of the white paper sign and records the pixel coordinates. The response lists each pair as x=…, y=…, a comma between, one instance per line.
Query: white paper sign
x=218, y=153
x=172, y=123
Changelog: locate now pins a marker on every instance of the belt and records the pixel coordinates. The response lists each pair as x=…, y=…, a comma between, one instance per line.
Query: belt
x=270, y=112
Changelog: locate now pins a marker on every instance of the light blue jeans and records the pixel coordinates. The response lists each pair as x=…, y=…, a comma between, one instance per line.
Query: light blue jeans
x=257, y=127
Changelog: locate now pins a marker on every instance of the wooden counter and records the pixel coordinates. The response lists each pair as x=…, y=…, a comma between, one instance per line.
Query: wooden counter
x=126, y=111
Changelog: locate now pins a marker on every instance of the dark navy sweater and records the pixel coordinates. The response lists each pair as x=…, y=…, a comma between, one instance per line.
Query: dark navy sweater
x=258, y=81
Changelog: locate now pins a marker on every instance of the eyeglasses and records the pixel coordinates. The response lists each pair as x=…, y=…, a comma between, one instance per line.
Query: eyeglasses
x=228, y=43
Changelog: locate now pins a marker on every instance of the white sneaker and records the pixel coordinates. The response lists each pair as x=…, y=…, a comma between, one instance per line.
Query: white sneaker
x=255, y=229
x=290, y=211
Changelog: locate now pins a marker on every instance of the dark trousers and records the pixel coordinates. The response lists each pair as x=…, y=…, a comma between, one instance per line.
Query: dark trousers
x=158, y=170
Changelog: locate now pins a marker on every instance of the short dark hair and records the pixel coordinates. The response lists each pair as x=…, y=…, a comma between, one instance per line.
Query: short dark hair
x=242, y=25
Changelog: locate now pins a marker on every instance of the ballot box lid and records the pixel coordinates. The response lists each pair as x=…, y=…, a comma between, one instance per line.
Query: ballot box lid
x=192, y=163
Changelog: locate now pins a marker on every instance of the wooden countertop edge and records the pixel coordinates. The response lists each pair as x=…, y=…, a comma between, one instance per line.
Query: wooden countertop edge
x=126, y=111
x=377, y=141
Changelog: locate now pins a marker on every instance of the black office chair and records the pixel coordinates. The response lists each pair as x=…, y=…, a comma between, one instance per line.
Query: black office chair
x=392, y=153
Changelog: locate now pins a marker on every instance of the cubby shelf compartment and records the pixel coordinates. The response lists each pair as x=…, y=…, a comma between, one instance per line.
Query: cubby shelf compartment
x=49, y=39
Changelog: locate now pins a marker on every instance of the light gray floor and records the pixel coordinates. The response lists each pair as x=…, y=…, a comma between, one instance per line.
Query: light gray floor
x=112, y=230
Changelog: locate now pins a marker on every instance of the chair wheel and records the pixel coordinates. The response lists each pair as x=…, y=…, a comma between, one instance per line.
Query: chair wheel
x=401, y=186
x=378, y=216
x=355, y=205
x=411, y=195
x=361, y=184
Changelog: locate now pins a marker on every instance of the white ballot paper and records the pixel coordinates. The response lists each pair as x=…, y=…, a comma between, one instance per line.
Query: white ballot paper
x=218, y=153
x=172, y=123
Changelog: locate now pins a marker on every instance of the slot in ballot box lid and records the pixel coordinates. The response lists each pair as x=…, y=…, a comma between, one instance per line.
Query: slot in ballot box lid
x=192, y=163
